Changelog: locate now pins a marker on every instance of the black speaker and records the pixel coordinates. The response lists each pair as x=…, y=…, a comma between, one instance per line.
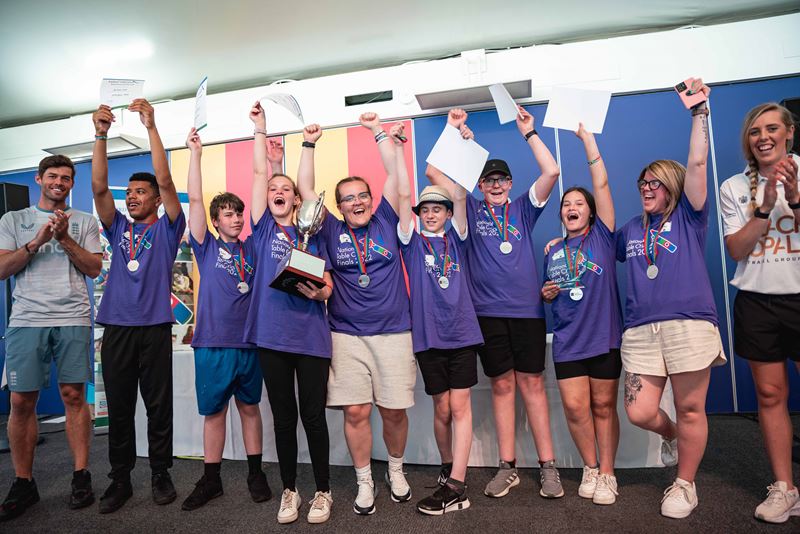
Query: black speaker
x=13, y=197
x=793, y=105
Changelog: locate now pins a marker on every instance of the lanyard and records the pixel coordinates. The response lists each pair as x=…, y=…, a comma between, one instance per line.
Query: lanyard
x=573, y=265
x=447, y=262
x=650, y=249
x=240, y=264
x=288, y=238
x=502, y=230
x=134, y=246
x=362, y=259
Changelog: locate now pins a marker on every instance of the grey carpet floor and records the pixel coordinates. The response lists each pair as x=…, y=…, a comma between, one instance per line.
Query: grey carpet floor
x=731, y=482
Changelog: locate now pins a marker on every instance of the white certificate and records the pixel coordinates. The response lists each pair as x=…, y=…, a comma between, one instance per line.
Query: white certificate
x=506, y=107
x=569, y=106
x=287, y=102
x=200, y=115
x=119, y=93
x=460, y=159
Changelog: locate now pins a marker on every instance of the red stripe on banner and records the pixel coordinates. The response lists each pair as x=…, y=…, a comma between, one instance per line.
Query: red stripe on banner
x=364, y=160
x=239, y=176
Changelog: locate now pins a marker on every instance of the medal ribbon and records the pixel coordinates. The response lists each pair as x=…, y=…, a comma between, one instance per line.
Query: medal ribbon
x=447, y=261
x=573, y=265
x=502, y=230
x=650, y=249
x=362, y=260
x=134, y=247
x=240, y=264
x=288, y=238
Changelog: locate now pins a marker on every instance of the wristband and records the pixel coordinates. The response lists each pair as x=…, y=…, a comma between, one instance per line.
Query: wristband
x=381, y=136
x=593, y=161
x=700, y=110
x=29, y=251
x=795, y=206
x=101, y=137
x=262, y=131
x=309, y=144
x=531, y=134
x=758, y=214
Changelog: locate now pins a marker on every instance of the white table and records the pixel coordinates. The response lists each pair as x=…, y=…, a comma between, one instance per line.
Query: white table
x=637, y=448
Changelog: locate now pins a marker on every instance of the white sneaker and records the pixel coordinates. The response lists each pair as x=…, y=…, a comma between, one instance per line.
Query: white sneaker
x=588, y=482
x=669, y=451
x=399, y=489
x=679, y=499
x=606, y=491
x=320, y=507
x=290, y=506
x=365, y=500
x=779, y=505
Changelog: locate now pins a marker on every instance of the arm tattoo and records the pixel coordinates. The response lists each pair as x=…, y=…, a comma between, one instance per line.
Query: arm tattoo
x=705, y=127
x=633, y=385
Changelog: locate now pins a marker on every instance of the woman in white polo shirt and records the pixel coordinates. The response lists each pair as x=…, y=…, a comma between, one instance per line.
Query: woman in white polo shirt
x=761, y=216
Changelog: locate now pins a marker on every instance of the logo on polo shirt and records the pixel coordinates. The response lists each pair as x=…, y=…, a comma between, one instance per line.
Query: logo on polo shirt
x=743, y=199
x=26, y=227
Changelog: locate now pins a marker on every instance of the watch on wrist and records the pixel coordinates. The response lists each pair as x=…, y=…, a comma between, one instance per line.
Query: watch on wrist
x=757, y=213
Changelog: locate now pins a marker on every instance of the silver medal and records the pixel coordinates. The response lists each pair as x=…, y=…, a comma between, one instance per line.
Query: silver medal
x=363, y=280
x=243, y=287
x=505, y=247
x=652, y=271
x=133, y=266
x=576, y=294
x=444, y=283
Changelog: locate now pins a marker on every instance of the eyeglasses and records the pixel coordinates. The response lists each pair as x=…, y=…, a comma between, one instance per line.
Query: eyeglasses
x=652, y=185
x=503, y=180
x=349, y=199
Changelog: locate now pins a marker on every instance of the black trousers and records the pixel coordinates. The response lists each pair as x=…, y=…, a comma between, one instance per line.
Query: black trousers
x=279, y=370
x=138, y=357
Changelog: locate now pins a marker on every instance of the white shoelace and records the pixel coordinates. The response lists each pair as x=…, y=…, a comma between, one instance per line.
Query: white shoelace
x=287, y=501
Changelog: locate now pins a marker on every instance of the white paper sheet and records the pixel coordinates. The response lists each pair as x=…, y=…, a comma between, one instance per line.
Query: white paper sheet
x=200, y=113
x=569, y=106
x=460, y=159
x=506, y=107
x=118, y=93
x=288, y=102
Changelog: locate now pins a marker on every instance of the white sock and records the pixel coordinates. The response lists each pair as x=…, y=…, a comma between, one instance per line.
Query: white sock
x=397, y=463
x=364, y=472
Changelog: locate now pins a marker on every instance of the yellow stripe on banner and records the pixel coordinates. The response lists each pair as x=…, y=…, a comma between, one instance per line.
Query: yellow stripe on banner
x=330, y=161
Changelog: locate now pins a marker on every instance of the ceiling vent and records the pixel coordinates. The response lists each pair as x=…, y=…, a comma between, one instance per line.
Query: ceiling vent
x=470, y=95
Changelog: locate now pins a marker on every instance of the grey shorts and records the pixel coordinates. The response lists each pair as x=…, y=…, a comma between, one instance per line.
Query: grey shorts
x=30, y=351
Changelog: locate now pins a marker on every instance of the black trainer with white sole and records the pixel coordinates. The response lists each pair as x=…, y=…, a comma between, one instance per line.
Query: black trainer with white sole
x=445, y=499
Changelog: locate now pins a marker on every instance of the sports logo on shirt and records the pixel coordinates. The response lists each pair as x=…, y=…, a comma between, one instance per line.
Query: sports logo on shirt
x=227, y=262
x=635, y=247
x=346, y=252
x=125, y=242
x=26, y=227
x=558, y=272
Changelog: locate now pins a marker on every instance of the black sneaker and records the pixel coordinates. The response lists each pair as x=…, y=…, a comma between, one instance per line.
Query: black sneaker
x=445, y=499
x=204, y=491
x=115, y=496
x=259, y=487
x=444, y=474
x=163, y=489
x=82, y=494
x=23, y=493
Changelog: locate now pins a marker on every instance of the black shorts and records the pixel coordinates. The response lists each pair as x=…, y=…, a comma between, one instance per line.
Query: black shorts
x=446, y=369
x=510, y=343
x=766, y=328
x=607, y=366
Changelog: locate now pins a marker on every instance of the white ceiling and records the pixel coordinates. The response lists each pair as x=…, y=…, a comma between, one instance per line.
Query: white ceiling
x=53, y=53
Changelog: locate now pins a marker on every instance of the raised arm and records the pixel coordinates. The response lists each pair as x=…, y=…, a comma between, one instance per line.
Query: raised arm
x=547, y=165
x=103, y=200
x=372, y=122
x=305, y=174
x=456, y=118
x=403, y=189
x=197, y=209
x=696, y=175
x=166, y=187
x=258, y=197
x=602, y=192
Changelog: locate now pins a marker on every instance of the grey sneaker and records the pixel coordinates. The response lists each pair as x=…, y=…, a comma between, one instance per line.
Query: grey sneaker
x=669, y=451
x=505, y=479
x=551, y=481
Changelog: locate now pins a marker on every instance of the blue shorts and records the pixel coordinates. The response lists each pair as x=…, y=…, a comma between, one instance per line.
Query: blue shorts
x=220, y=373
x=30, y=351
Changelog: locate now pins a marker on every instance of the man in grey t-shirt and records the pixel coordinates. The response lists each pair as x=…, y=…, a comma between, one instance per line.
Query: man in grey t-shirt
x=49, y=249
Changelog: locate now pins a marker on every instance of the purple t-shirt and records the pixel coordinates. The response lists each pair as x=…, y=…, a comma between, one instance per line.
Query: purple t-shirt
x=382, y=307
x=503, y=285
x=441, y=318
x=141, y=297
x=592, y=325
x=221, y=307
x=682, y=289
x=278, y=320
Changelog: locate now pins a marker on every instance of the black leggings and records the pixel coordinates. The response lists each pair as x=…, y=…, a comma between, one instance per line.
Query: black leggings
x=279, y=369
